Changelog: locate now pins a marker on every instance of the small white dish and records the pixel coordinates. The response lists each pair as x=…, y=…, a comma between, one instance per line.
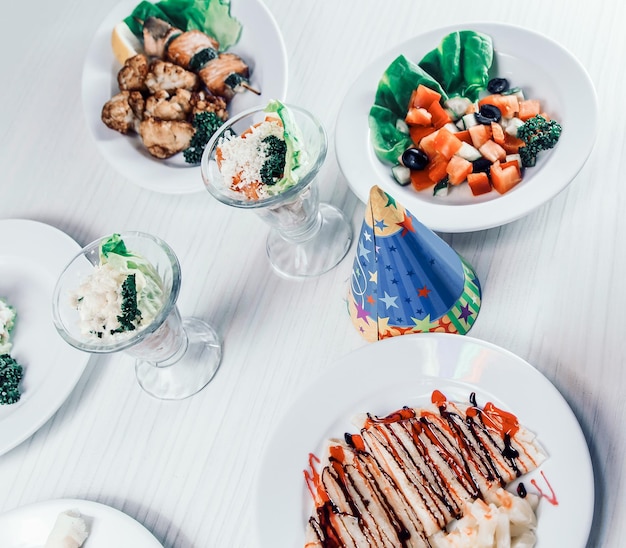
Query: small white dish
x=29, y=526
x=31, y=260
x=261, y=46
x=542, y=68
x=384, y=376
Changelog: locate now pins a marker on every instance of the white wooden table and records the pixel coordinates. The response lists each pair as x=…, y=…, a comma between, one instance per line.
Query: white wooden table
x=553, y=281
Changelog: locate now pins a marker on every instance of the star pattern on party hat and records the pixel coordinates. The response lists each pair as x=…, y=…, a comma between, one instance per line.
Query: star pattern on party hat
x=405, y=279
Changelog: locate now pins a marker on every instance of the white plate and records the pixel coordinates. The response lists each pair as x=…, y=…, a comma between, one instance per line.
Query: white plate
x=529, y=60
x=261, y=46
x=29, y=526
x=386, y=375
x=31, y=260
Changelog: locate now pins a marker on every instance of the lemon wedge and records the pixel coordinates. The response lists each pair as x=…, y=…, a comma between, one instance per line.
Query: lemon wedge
x=124, y=43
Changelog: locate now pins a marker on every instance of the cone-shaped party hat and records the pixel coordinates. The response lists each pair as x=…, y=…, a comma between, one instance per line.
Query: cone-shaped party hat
x=406, y=279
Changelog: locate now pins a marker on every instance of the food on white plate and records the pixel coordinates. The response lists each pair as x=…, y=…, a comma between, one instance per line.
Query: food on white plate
x=7, y=323
x=122, y=295
x=431, y=476
x=169, y=63
x=266, y=159
x=69, y=531
x=446, y=121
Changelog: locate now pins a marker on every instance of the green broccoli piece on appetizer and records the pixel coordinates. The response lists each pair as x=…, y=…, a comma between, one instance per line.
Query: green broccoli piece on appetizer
x=205, y=125
x=11, y=374
x=538, y=134
x=130, y=310
x=275, y=151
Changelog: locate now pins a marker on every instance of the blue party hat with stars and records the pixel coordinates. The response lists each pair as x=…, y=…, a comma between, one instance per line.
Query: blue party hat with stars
x=406, y=279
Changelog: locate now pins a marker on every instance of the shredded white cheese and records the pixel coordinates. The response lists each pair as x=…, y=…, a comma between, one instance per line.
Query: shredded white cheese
x=243, y=156
x=7, y=319
x=99, y=303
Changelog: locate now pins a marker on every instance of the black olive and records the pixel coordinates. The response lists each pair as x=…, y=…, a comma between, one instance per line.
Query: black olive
x=414, y=158
x=481, y=165
x=497, y=85
x=487, y=114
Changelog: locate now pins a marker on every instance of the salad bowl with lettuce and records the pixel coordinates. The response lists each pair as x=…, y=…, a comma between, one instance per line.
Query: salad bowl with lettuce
x=460, y=62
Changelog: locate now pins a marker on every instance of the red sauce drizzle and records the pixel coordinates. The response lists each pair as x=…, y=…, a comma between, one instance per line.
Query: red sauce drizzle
x=399, y=415
x=438, y=398
x=550, y=498
x=497, y=419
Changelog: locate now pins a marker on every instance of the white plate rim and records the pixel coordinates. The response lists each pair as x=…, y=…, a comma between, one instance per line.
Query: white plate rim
x=306, y=425
x=105, y=520
x=362, y=169
x=125, y=153
x=52, y=249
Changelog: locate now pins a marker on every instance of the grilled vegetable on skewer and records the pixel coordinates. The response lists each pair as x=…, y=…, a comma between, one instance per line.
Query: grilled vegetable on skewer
x=156, y=36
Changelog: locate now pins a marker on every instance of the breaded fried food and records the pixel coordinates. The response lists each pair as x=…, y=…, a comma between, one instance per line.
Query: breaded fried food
x=201, y=101
x=123, y=111
x=168, y=106
x=132, y=76
x=164, y=138
x=167, y=76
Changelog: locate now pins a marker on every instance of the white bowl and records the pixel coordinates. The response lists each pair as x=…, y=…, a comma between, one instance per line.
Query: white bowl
x=542, y=68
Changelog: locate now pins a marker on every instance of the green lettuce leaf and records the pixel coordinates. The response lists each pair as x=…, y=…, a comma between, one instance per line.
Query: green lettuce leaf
x=209, y=16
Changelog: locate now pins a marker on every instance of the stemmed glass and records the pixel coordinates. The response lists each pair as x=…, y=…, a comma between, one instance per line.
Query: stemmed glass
x=175, y=357
x=306, y=238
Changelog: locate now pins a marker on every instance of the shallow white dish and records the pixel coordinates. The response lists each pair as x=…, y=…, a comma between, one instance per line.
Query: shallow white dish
x=384, y=376
x=261, y=46
x=542, y=68
x=30, y=525
x=30, y=263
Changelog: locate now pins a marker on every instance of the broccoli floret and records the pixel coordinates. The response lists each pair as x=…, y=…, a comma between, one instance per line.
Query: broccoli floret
x=130, y=311
x=275, y=151
x=205, y=125
x=11, y=374
x=538, y=134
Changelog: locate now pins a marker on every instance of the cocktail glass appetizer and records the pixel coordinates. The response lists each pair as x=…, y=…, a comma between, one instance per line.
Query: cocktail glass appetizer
x=267, y=159
x=119, y=294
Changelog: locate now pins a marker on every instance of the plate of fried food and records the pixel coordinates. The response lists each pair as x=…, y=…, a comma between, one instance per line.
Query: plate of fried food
x=159, y=78
x=427, y=440
x=470, y=127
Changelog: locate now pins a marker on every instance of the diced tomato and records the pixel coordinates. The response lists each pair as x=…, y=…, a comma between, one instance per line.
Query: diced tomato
x=479, y=183
x=417, y=133
x=446, y=143
x=511, y=144
x=480, y=134
x=423, y=97
x=464, y=136
x=427, y=144
x=440, y=115
x=497, y=133
x=505, y=176
x=492, y=151
x=458, y=169
x=418, y=116
x=437, y=168
x=529, y=108
x=507, y=104
x=420, y=179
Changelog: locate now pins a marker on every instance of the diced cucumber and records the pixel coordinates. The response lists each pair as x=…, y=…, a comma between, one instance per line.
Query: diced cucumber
x=512, y=125
x=401, y=174
x=458, y=106
x=469, y=120
x=518, y=92
x=441, y=188
x=402, y=126
x=468, y=152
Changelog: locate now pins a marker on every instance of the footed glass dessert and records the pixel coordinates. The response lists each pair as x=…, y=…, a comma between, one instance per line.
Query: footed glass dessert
x=267, y=159
x=119, y=294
